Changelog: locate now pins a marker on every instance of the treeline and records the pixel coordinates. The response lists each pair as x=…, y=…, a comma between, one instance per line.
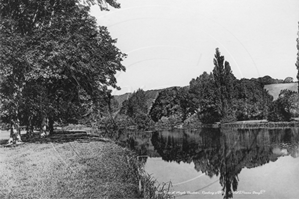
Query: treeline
x=212, y=97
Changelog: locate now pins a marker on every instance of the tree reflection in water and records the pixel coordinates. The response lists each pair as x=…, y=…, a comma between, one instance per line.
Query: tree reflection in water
x=219, y=152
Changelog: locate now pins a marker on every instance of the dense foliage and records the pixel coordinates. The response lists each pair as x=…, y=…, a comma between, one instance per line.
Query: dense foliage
x=297, y=61
x=213, y=97
x=135, y=107
x=265, y=80
x=204, y=99
x=55, y=62
x=251, y=100
x=168, y=103
x=223, y=80
x=285, y=107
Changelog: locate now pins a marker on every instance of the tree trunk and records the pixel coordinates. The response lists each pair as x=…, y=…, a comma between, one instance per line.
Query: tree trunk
x=51, y=126
x=29, y=127
x=11, y=136
x=18, y=131
x=15, y=135
x=43, y=127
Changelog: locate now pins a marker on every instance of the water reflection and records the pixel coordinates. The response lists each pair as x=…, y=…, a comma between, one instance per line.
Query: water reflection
x=223, y=153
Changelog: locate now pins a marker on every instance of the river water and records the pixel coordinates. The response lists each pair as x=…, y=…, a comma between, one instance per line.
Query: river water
x=221, y=163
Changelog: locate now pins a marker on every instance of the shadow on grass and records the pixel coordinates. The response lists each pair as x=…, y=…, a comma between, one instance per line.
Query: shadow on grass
x=3, y=141
x=59, y=137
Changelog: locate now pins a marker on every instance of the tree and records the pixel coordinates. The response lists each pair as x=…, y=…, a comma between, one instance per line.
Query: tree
x=54, y=52
x=204, y=99
x=265, y=80
x=76, y=62
x=136, y=108
x=297, y=62
x=285, y=107
x=251, y=100
x=223, y=80
x=12, y=68
x=185, y=103
x=288, y=80
x=135, y=104
x=169, y=102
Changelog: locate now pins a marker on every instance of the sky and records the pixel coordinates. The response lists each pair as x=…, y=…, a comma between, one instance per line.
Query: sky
x=170, y=42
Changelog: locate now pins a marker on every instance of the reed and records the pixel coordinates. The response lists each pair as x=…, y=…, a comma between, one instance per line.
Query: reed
x=129, y=163
x=151, y=189
x=124, y=165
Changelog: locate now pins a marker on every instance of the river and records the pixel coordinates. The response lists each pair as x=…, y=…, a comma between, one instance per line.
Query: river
x=221, y=163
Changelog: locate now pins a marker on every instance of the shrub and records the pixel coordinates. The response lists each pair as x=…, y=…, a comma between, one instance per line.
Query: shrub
x=143, y=121
x=285, y=107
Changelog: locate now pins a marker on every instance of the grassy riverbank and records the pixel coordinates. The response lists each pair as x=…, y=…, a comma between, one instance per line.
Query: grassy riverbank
x=254, y=124
x=85, y=167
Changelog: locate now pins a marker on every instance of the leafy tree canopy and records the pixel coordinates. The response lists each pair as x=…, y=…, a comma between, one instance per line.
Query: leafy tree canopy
x=135, y=104
x=251, y=100
x=55, y=61
x=171, y=101
x=223, y=81
x=285, y=107
x=204, y=98
x=136, y=108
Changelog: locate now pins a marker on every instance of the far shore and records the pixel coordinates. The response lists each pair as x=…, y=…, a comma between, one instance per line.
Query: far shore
x=4, y=134
x=261, y=124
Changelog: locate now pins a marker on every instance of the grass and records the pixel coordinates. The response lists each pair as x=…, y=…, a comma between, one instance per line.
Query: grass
x=85, y=167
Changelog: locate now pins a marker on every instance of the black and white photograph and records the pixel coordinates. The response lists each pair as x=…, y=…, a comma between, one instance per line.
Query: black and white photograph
x=152, y=99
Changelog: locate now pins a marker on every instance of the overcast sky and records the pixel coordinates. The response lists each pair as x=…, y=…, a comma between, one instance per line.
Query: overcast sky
x=169, y=42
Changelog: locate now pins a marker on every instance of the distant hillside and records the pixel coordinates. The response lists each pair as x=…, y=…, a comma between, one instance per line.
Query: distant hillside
x=150, y=94
x=121, y=98
x=274, y=89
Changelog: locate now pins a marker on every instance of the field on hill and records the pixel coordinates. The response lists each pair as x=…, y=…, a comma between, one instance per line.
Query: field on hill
x=274, y=89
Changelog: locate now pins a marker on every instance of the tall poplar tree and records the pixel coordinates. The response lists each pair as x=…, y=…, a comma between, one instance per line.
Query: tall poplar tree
x=297, y=62
x=223, y=81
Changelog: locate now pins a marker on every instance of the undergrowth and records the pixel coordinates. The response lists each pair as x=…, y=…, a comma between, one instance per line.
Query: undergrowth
x=148, y=187
x=151, y=189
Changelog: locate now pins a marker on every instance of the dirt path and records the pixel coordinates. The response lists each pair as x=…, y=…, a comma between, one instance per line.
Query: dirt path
x=83, y=168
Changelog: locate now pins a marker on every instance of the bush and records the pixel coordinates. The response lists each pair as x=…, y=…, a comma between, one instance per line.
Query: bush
x=277, y=113
x=209, y=114
x=169, y=122
x=288, y=80
x=143, y=121
x=4, y=126
x=124, y=121
x=285, y=107
x=192, y=122
x=249, y=111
